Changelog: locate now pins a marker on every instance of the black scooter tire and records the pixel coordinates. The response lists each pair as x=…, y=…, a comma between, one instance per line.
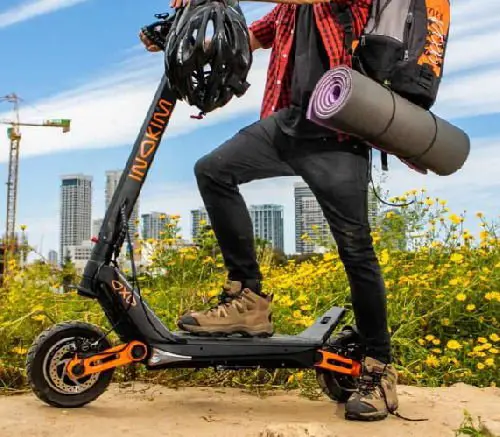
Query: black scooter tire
x=338, y=387
x=36, y=361
x=331, y=387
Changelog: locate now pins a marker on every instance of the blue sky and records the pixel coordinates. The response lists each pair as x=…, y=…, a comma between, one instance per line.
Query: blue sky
x=81, y=59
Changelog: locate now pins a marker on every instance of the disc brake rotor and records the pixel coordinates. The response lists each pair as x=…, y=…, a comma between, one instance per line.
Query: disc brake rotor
x=55, y=373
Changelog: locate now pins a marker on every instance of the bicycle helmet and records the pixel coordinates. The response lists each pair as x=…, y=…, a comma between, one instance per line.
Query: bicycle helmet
x=207, y=70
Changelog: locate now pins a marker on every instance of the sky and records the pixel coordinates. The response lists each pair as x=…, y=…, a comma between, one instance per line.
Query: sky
x=81, y=59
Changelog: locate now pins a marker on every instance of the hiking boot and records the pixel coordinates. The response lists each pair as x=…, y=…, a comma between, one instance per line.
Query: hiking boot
x=239, y=311
x=376, y=396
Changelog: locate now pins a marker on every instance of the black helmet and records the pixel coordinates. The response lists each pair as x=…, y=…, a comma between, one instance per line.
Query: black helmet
x=208, y=74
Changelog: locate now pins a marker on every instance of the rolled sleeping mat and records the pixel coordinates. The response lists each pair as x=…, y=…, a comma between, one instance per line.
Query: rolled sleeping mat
x=345, y=100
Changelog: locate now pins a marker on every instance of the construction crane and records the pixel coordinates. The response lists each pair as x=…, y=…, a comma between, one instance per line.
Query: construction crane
x=14, y=135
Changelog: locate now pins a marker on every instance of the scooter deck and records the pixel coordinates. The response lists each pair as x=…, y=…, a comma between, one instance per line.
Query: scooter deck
x=298, y=351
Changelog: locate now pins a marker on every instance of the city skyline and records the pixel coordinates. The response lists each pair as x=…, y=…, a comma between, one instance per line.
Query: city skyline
x=268, y=220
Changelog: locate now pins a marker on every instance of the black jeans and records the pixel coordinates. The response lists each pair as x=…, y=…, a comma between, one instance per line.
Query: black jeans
x=336, y=173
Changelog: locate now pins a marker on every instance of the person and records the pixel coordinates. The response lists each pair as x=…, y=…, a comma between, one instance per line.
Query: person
x=283, y=142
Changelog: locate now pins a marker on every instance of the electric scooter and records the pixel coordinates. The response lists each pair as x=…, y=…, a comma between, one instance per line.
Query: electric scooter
x=71, y=364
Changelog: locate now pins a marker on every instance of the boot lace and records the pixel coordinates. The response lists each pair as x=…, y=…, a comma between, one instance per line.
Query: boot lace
x=372, y=381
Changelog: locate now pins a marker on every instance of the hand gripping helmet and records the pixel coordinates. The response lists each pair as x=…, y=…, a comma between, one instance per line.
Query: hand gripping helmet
x=207, y=69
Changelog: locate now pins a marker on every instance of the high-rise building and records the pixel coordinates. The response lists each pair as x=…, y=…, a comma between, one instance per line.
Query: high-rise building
x=267, y=223
x=76, y=211
x=112, y=180
x=79, y=255
x=197, y=217
x=373, y=209
x=152, y=224
x=96, y=226
x=52, y=257
x=309, y=219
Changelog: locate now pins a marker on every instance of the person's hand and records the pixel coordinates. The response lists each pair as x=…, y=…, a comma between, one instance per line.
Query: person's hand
x=178, y=3
x=150, y=47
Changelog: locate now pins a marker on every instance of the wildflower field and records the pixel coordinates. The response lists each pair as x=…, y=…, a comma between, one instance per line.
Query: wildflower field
x=443, y=291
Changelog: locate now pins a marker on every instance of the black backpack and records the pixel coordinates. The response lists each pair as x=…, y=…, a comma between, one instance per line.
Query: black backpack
x=402, y=46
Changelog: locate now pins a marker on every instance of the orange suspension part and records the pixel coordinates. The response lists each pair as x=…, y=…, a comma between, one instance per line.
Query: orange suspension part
x=116, y=356
x=338, y=363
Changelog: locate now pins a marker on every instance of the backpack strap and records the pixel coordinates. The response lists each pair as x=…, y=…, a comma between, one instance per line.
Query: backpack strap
x=344, y=16
x=342, y=12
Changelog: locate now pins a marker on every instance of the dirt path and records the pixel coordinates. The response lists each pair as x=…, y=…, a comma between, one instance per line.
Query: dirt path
x=151, y=411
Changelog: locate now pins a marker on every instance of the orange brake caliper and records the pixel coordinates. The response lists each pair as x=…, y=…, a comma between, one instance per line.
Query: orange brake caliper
x=108, y=359
x=338, y=363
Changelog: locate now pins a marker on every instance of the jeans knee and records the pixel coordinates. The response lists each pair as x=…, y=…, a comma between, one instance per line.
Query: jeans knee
x=357, y=250
x=202, y=167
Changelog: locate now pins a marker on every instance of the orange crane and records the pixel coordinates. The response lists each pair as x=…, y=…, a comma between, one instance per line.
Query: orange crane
x=14, y=135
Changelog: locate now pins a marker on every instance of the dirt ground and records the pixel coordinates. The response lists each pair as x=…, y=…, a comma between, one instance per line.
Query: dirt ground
x=150, y=411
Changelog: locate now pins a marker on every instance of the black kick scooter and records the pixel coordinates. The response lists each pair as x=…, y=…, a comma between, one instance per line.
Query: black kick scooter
x=72, y=363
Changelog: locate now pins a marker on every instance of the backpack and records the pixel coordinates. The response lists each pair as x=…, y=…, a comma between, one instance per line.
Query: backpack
x=402, y=46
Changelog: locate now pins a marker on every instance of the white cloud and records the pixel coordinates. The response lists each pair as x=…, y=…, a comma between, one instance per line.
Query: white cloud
x=31, y=9
x=108, y=111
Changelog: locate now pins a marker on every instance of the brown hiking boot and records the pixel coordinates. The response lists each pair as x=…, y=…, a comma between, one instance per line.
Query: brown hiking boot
x=376, y=396
x=239, y=311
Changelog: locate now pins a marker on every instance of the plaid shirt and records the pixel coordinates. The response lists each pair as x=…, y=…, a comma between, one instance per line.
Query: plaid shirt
x=275, y=30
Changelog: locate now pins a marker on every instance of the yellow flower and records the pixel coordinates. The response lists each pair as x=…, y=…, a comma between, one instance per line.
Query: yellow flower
x=445, y=322
x=329, y=256
x=429, y=337
x=442, y=202
x=429, y=201
x=305, y=307
x=453, y=345
x=457, y=258
x=299, y=376
x=436, y=351
x=453, y=282
x=482, y=340
x=490, y=362
x=19, y=350
x=421, y=341
x=480, y=366
x=470, y=307
x=384, y=257
x=494, y=337
x=297, y=314
x=493, y=350
x=432, y=361
x=479, y=215
x=436, y=342
x=461, y=297
x=390, y=214
x=455, y=219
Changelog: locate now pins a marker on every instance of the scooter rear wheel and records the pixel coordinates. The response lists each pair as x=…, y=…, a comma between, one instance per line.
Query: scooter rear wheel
x=47, y=360
x=339, y=387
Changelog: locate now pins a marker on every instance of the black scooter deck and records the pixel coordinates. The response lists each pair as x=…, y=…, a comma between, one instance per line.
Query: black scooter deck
x=292, y=351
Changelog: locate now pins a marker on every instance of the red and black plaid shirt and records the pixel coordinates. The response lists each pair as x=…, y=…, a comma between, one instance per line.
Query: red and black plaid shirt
x=276, y=30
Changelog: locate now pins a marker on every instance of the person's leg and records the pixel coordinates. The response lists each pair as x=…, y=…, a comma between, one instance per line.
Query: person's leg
x=249, y=155
x=338, y=176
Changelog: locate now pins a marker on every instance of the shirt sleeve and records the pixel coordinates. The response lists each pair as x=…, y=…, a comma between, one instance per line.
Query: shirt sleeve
x=265, y=28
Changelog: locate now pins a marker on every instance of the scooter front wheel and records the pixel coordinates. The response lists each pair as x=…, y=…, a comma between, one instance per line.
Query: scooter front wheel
x=49, y=356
